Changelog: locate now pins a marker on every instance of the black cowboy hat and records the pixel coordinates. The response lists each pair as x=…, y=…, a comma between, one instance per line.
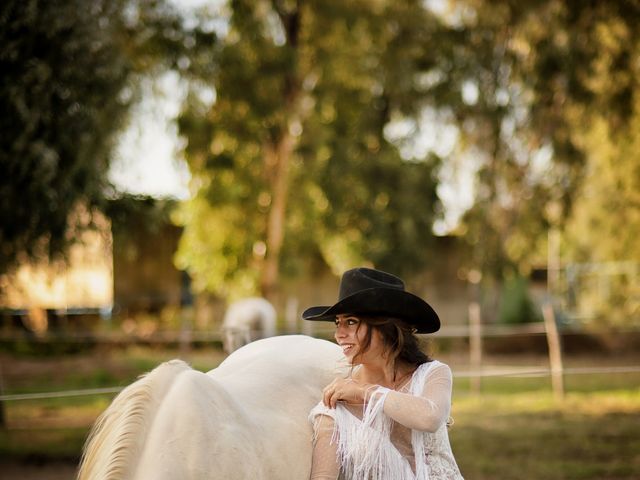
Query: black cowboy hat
x=366, y=291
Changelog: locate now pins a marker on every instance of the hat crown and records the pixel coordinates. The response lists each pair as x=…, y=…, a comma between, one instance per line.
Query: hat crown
x=359, y=279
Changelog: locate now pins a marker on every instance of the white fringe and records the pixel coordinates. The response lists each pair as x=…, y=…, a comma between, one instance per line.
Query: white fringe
x=365, y=448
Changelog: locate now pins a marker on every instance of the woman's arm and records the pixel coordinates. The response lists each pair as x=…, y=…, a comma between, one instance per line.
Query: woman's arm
x=427, y=412
x=324, y=460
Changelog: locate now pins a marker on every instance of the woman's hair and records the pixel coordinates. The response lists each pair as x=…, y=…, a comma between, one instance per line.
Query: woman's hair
x=397, y=336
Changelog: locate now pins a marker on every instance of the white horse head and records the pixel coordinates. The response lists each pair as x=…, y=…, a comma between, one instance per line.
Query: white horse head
x=247, y=320
x=246, y=419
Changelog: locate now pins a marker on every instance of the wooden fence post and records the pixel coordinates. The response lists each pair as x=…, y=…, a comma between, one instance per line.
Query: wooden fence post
x=475, y=345
x=555, y=351
x=291, y=315
x=3, y=418
x=185, y=337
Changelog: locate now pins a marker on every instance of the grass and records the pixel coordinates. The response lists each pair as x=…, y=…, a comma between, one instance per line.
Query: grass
x=513, y=430
x=589, y=436
x=45, y=430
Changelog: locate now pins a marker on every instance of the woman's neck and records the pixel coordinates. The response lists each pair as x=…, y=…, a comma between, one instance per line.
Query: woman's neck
x=386, y=374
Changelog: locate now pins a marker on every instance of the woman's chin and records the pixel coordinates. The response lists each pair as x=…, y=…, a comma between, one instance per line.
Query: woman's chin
x=352, y=360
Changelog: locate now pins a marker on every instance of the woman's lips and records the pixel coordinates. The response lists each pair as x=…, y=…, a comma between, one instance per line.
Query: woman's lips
x=347, y=348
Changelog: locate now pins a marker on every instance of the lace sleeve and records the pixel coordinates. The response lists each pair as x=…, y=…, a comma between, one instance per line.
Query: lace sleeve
x=426, y=412
x=324, y=460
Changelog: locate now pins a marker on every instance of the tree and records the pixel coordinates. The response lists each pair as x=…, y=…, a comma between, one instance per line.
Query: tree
x=70, y=74
x=503, y=112
x=291, y=159
x=537, y=80
x=63, y=98
x=605, y=222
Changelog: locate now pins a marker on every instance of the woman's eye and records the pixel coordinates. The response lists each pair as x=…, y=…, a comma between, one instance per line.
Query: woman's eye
x=348, y=322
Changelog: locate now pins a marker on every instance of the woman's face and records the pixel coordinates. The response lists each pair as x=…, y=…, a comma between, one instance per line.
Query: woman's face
x=351, y=334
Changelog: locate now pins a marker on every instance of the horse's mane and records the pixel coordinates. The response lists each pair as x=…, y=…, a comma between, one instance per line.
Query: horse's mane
x=117, y=436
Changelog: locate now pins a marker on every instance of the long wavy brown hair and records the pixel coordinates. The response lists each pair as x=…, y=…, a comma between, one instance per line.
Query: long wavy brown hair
x=398, y=338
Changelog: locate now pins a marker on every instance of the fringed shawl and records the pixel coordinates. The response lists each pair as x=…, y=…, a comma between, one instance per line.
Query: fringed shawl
x=364, y=446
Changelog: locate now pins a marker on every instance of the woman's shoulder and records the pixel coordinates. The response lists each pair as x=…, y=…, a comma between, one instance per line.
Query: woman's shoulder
x=434, y=365
x=433, y=368
x=430, y=373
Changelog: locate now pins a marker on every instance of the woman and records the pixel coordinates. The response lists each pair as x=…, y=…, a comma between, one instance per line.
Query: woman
x=388, y=419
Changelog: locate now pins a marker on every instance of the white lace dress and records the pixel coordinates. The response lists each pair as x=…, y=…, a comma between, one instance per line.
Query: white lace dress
x=397, y=435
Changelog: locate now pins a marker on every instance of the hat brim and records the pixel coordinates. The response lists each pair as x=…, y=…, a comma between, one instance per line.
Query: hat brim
x=381, y=301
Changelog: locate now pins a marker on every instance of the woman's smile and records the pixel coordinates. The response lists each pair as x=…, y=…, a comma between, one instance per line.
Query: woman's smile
x=347, y=348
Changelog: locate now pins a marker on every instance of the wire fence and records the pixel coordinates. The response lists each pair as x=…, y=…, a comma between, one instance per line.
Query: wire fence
x=475, y=334
x=516, y=372
x=61, y=394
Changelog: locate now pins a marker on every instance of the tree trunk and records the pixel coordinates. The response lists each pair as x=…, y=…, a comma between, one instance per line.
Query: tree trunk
x=278, y=160
x=278, y=155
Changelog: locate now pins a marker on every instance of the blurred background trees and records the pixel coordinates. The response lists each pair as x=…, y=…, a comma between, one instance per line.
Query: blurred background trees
x=63, y=100
x=551, y=93
x=71, y=72
x=303, y=124
x=291, y=162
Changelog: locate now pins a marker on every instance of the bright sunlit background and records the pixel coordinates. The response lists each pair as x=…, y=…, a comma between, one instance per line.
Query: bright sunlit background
x=148, y=160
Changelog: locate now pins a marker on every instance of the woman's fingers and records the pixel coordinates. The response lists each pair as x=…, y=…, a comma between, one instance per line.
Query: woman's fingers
x=331, y=394
x=341, y=389
x=327, y=393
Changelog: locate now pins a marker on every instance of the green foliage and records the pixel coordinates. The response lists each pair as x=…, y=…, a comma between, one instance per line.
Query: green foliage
x=606, y=220
x=543, y=71
x=525, y=95
x=62, y=99
x=287, y=129
x=303, y=95
x=516, y=305
x=70, y=71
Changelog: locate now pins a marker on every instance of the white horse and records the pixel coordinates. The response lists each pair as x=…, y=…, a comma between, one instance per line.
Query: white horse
x=247, y=320
x=246, y=419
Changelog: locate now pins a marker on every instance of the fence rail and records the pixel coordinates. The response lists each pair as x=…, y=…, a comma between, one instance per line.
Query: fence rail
x=475, y=331
x=516, y=372
x=61, y=394
x=175, y=336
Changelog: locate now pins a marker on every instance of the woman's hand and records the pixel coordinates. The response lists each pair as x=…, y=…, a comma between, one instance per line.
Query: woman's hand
x=344, y=390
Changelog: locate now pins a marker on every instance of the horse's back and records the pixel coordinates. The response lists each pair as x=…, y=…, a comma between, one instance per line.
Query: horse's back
x=117, y=437
x=245, y=419
x=200, y=433
x=286, y=356
x=277, y=381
